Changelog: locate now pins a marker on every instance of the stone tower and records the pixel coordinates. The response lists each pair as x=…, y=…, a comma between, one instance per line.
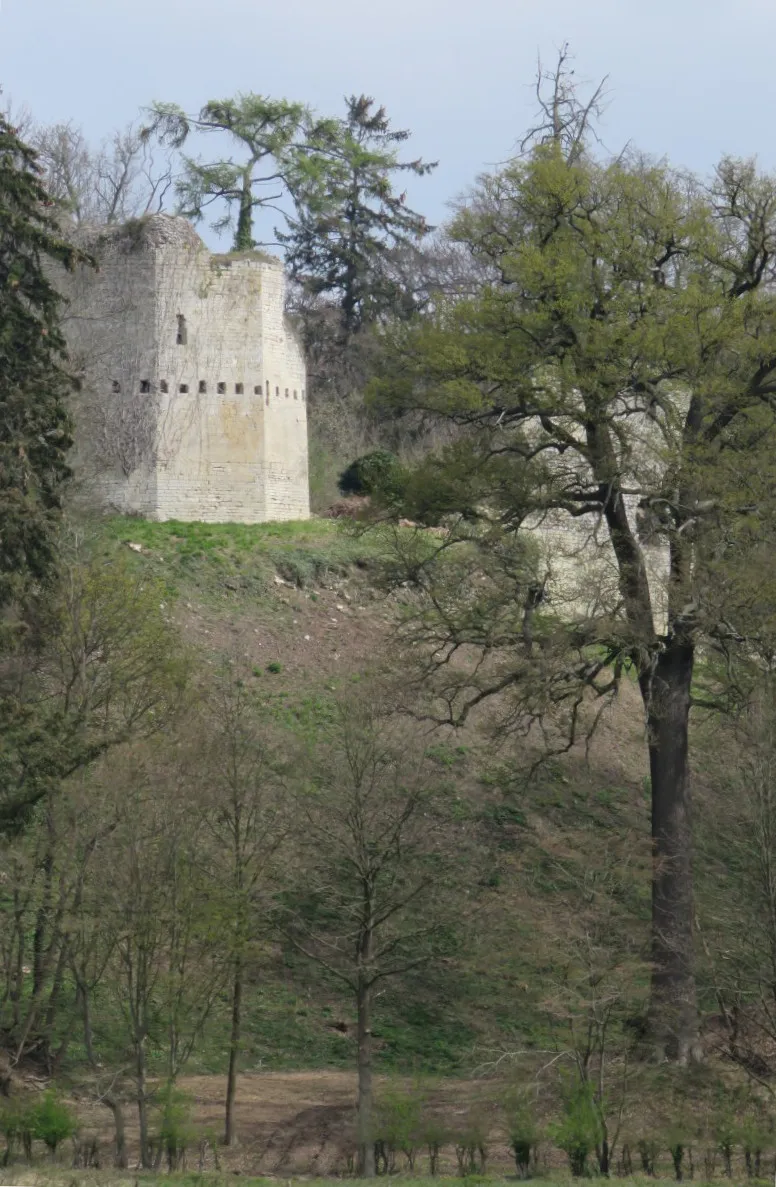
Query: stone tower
x=193, y=404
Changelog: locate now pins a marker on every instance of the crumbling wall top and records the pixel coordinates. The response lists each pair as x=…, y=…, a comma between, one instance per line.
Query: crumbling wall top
x=149, y=231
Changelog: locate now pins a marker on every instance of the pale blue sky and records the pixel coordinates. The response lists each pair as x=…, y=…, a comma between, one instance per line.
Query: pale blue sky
x=688, y=78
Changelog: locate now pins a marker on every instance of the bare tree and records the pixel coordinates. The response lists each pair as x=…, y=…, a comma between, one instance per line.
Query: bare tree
x=374, y=900
x=167, y=968
x=123, y=177
x=564, y=117
x=244, y=823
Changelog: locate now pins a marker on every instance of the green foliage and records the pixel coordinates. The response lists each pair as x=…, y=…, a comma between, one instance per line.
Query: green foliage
x=53, y=1122
x=398, y=1128
x=351, y=222
x=176, y=1129
x=35, y=431
x=471, y=1144
x=18, y=1119
x=376, y=473
x=622, y=346
x=523, y=1131
x=275, y=668
x=100, y=664
x=265, y=135
x=578, y=1131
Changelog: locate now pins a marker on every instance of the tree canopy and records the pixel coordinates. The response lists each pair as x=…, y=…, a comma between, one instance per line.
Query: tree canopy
x=35, y=430
x=350, y=218
x=616, y=374
x=267, y=138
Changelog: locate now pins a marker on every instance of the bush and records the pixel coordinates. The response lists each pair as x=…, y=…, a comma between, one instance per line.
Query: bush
x=726, y=1133
x=176, y=1131
x=523, y=1133
x=648, y=1153
x=471, y=1145
x=579, y=1131
x=754, y=1138
x=379, y=472
x=433, y=1135
x=53, y=1122
x=17, y=1123
x=398, y=1130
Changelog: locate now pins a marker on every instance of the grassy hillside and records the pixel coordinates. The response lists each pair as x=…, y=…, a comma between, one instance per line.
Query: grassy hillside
x=297, y=605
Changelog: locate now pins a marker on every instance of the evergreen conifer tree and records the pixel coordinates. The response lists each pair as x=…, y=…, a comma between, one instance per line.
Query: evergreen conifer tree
x=35, y=431
x=350, y=218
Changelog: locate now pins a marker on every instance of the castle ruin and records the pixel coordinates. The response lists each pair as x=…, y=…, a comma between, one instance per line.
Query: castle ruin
x=193, y=400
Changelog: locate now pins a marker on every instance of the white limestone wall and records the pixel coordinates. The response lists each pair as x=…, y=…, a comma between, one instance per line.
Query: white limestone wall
x=582, y=573
x=109, y=326
x=203, y=349
x=287, y=481
x=211, y=448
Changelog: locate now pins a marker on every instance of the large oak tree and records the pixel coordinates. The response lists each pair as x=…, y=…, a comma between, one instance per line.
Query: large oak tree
x=617, y=373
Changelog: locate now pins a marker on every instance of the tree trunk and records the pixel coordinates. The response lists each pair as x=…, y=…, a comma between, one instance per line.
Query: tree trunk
x=673, y=1009
x=116, y=1108
x=142, y=1106
x=86, y=1014
x=366, y=1146
x=243, y=239
x=230, y=1135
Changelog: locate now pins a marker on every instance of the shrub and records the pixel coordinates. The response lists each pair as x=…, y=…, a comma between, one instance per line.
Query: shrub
x=53, y=1122
x=648, y=1153
x=398, y=1130
x=378, y=472
x=176, y=1132
x=579, y=1130
x=725, y=1132
x=17, y=1123
x=523, y=1134
x=433, y=1135
x=754, y=1139
x=471, y=1145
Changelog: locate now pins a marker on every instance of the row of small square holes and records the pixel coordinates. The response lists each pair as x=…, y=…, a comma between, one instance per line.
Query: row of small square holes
x=239, y=388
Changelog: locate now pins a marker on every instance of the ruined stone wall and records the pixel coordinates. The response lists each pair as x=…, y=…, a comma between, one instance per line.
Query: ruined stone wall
x=194, y=380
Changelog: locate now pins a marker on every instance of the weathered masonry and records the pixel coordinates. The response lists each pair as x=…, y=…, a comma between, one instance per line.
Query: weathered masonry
x=193, y=404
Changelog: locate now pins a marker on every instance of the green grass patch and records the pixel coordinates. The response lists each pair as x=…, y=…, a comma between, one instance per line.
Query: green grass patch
x=233, y=560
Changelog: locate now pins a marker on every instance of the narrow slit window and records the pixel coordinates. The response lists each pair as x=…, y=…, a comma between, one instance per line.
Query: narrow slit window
x=303, y=395
x=286, y=393
x=257, y=389
x=182, y=335
x=145, y=386
x=202, y=387
x=115, y=387
x=184, y=387
x=267, y=389
x=277, y=391
x=296, y=394
x=164, y=386
x=221, y=389
x=239, y=389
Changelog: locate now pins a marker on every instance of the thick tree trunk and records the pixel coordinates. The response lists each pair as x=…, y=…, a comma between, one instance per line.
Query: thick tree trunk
x=366, y=1145
x=230, y=1135
x=673, y=1009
